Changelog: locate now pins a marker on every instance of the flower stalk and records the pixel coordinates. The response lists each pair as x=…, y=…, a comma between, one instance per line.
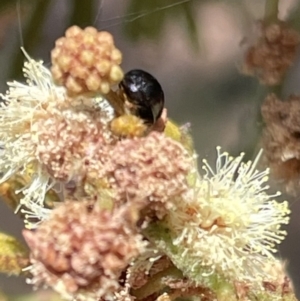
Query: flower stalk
x=271, y=11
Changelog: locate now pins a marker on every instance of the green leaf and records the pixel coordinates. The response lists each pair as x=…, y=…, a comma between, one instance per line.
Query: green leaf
x=147, y=19
x=32, y=29
x=13, y=255
x=3, y=297
x=83, y=13
x=191, y=25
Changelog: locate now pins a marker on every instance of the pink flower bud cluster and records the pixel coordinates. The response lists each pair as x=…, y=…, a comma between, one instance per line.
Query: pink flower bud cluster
x=82, y=249
x=86, y=61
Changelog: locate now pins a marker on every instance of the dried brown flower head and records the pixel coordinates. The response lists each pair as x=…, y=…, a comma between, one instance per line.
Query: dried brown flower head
x=281, y=139
x=273, y=53
x=81, y=250
x=86, y=61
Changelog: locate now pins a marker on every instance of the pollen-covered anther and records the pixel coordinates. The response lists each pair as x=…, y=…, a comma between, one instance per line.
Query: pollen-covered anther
x=272, y=54
x=128, y=126
x=81, y=250
x=86, y=60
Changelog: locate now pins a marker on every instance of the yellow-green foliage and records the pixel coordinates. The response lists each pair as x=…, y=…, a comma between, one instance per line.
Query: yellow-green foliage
x=13, y=255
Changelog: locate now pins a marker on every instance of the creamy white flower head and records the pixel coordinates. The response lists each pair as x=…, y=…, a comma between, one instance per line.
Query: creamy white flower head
x=29, y=112
x=229, y=224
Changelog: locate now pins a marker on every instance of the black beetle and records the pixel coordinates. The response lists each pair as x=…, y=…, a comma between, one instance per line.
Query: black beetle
x=144, y=93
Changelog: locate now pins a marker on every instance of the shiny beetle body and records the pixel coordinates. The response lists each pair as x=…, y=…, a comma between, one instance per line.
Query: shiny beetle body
x=145, y=95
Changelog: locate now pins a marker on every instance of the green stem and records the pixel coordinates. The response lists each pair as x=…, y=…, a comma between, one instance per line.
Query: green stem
x=31, y=35
x=156, y=283
x=83, y=13
x=271, y=11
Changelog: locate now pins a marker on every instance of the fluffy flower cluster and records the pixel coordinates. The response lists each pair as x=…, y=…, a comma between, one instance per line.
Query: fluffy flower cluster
x=228, y=224
x=51, y=138
x=116, y=186
x=82, y=249
x=152, y=169
x=86, y=61
x=273, y=53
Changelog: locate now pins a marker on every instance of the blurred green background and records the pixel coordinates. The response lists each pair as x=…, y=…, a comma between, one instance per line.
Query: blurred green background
x=193, y=47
